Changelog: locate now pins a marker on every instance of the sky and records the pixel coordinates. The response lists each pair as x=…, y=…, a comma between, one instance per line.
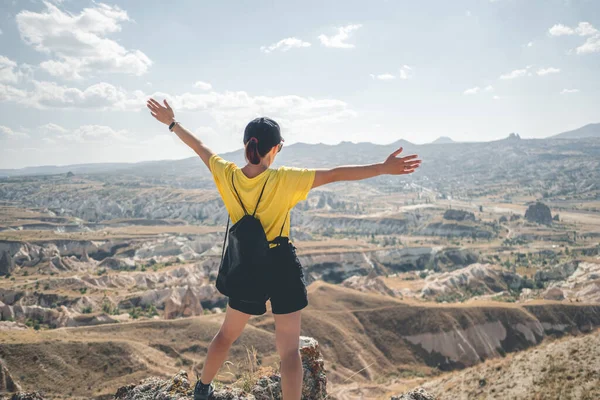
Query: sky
x=75, y=74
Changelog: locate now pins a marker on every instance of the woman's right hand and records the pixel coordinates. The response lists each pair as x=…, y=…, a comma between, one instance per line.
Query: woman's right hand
x=163, y=114
x=400, y=166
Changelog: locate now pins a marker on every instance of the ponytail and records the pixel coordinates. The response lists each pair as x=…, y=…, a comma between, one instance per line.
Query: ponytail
x=252, y=151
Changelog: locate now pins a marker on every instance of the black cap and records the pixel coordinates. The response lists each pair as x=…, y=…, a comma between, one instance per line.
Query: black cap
x=265, y=130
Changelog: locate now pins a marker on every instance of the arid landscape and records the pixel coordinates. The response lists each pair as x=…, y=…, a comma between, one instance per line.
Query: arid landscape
x=478, y=277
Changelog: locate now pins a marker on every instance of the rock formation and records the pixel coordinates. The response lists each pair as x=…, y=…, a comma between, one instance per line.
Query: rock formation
x=267, y=387
x=7, y=264
x=7, y=383
x=539, y=213
x=417, y=394
x=459, y=215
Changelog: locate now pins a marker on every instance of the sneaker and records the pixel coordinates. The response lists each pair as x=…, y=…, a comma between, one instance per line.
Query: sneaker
x=202, y=392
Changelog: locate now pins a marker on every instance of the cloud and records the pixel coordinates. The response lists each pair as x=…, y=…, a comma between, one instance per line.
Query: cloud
x=474, y=90
x=547, y=71
x=591, y=45
x=51, y=128
x=530, y=44
x=78, y=43
x=518, y=73
x=203, y=85
x=8, y=133
x=11, y=72
x=568, y=91
x=405, y=72
x=560, y=30
x=489, y=88
x=285, y=45
x=338, y=40
x=1, y=32
x=585, y=29
x=383, y=77
x=95, y=133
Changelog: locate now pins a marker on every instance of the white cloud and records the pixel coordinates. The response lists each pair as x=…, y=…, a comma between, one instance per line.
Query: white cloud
x=560, y=30
x=547, y=71
x=489, y=88
x=496, y=97
x=1, y=32
x=95, y=133
x=51, y=128
x=203, y=85
x=592, y=43
x=230, y=110
x=518, y=73
x=78, y=41
x=530, y=44
x=11, y=72
x=474, y=90
x=339, y=40
x=405, y=72
x=384, y=77
x=285, y=45
x=468, y=13
x=8, y=133
x=568, y=91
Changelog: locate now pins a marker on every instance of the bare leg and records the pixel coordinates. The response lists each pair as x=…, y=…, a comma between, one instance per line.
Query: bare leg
x=287, y=336
x=232, y=328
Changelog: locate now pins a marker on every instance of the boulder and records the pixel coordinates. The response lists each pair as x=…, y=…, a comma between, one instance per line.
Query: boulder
x=459, y=215
x=266, y=387
x=417, y=394
x=7, y=383
x=7, y=265
x=539, y=213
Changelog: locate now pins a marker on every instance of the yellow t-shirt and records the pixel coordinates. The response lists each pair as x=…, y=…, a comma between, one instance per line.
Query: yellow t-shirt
x=285, y=188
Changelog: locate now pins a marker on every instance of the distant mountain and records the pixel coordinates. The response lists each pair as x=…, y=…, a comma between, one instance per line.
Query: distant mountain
x=590, y=130
x=443, y=140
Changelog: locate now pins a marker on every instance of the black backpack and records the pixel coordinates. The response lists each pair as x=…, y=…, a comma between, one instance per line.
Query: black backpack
x=244, y=262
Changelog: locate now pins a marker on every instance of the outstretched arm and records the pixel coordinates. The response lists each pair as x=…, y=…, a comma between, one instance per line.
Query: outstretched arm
x=166, y=115
x=391, y=166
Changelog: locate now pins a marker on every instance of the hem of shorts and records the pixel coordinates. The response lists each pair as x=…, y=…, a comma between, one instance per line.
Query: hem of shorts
x=236, y=306
x=290, y=309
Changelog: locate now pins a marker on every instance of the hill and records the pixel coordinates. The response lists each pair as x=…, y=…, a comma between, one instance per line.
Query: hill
x=370, y=338
x=443, y=140
x=563, y=369
x=587, y=131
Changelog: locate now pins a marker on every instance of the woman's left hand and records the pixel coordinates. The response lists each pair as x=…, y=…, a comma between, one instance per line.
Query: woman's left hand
x=163, y=114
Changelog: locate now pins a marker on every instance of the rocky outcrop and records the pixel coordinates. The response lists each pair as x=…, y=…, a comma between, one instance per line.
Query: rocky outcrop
x=474, y=280
x=267, y=387
x=416, y=394
x=186, y=306
x=7, y=264
x=539, y=213
x=370, y=283
x=7, y=383
x=459, y=215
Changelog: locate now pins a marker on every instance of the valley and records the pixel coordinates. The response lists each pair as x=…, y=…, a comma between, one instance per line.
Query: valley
x=492, y=249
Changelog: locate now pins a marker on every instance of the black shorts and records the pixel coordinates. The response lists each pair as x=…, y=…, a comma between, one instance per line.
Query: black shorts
x=286, y=285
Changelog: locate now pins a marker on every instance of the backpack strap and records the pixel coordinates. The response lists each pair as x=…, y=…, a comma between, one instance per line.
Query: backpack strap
x=260, y=197
x=284, y=221
x=225, y=240
x=238, y=196
x=240, y=199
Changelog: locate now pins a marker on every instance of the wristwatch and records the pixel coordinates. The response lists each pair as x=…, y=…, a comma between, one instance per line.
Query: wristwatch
x=172, y=125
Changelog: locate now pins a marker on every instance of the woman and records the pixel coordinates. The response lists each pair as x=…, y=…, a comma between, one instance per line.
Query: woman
x=281, y=189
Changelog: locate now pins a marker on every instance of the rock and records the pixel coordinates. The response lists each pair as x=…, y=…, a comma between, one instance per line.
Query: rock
x=539, y=213
x=417, y=394
x=459, y=215
x=266, y=387
x=189, y=305
x=28, y=396
x=369, y=283
x=503, y=219
x=7, y=383
x=117, y=263
x=7, y=264
x=554, y=294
